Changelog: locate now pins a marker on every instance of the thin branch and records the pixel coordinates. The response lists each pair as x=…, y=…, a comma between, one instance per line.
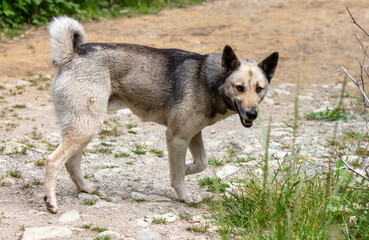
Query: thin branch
x=357, y=188
x=354, y=21
x=356, y=83
x=351, y=168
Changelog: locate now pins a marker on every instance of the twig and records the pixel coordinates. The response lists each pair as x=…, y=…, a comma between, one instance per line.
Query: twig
x=356, y=83
x=351, y=168
x=354, y=22
x=357, y=188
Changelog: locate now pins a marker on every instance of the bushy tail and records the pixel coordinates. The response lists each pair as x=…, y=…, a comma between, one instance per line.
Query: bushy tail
x=65, y=35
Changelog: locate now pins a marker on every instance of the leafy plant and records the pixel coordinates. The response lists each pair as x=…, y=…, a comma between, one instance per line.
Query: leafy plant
x=329, y=115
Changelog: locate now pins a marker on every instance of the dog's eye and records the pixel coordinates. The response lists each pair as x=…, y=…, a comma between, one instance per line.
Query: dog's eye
x=240, y=88
x=258, y=89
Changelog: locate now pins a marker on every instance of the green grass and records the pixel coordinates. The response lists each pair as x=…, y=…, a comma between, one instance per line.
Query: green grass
x=139, y=149
x=330, y=115
x=15, y=174
x=159, y=220
x=121, y=155
x=16, y=15
x=289, y=203
x=213, y=184
x=19, y=106
x=198, y=229
x=99, y=229
x=89, y=202
x=157, y=152
x=40, y=163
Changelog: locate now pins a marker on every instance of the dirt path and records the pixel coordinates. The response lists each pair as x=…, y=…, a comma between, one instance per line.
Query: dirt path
x=319, y=32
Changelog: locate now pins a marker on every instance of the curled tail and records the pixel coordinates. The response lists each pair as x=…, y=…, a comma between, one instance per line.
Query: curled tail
x=65, y=35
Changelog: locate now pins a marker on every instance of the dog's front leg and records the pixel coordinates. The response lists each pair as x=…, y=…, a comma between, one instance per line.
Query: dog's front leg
x=177, y=148
x=200, y=159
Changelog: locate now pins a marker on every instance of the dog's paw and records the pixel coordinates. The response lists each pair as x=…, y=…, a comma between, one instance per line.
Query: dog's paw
x=51, y=206
x=88, y=188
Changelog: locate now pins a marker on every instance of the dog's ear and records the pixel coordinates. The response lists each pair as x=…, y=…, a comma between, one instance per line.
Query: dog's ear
x=269, y=64
x=229, y=60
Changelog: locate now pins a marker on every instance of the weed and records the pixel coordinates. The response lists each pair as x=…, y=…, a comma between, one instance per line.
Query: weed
x=198, y=229
x=185, y=216
x=157, y=152
x=139, y=200
x=37, y=183
x=19, y=106
x=213, y=184
x=130, y=126
x=89, y=202
x=121, y=155
x=110, y=131
x=22, y=227
x=87, y=226
x=329, y=115
x=110, y=166
x=99, y=229
x=15, y=174
x=213, y=161
x=40, y=163
x=106, y=237
x=139, y=149
x=159, y=220
x=103, y=150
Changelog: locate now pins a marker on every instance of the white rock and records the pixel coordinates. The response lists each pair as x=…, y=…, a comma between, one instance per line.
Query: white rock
x=281, y=92
x=142, y=223
x=148, y=235
x=69, y=216
x=86, y=196
x=226, y=171
x=111, y=234
x=124, y=111
x=286, y=85
x=46, y=233
x=21, y=83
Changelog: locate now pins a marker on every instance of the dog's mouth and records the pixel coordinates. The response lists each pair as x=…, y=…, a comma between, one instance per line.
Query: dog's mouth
x=245, y=122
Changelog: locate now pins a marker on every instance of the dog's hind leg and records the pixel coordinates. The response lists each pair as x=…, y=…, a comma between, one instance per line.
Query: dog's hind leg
x=73, y=166
x=69, y=147
x=199, y=155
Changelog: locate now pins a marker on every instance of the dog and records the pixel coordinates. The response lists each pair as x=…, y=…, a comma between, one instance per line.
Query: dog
x=181, y=90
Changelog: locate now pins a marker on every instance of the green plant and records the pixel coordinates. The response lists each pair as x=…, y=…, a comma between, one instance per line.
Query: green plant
x=157, y=152
x=159, y=220
x=336, y=114
x=139, y=149
x=40, y=163
x=89, y=202
x=199, y=229
x=121, y=155
x=99, y=229
x=106, y=237
x=15, y=174
x=87, y=226
x=213, y=184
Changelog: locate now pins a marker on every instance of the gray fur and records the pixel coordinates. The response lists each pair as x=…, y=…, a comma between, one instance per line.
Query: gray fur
x=182, y=90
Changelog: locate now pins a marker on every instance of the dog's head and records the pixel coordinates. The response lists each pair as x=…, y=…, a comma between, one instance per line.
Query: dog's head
x=246, y=82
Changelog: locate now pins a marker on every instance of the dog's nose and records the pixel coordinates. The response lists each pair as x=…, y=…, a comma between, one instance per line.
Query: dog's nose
x=251, y=115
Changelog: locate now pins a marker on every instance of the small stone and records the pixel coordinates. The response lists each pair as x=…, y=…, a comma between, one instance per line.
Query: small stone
x=138, y=196
x=197, y=218
x=87, y=197
x=212, y=131
x=124, y=111
x=69, y=216
x=7, y=182
x=169, y=217
x=281, y=92
x=111, y=234
x=46, y=233
x=226, y=171
x=148, y=235
x=142, y=223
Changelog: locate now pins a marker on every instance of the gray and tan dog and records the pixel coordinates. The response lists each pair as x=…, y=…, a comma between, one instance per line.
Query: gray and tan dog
x=182, y=90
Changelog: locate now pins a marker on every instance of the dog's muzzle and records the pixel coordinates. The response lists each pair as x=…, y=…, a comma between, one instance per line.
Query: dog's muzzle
x=251, y=116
